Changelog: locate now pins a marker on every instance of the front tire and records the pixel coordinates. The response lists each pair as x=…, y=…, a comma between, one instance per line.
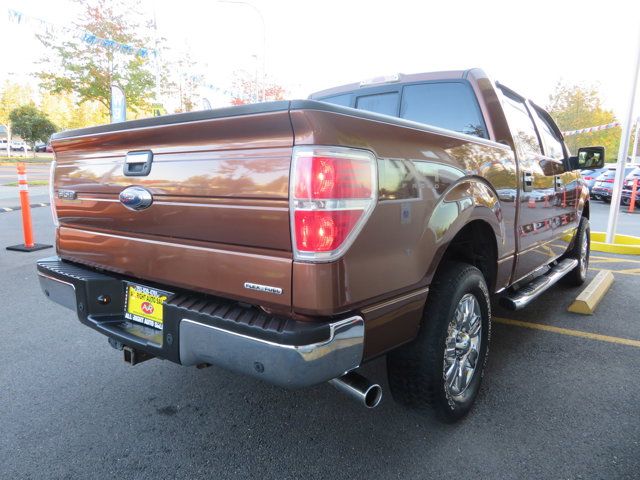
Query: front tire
x=441, y=370
x=580, y=250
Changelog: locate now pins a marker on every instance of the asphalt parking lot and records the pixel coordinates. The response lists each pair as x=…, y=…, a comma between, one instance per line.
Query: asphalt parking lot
x=554, y=404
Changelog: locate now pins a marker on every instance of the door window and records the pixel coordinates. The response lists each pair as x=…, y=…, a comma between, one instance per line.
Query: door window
x=522, y=128
x=553, y=145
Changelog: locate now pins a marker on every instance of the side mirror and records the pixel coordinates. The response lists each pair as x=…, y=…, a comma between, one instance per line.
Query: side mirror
x=588, y=158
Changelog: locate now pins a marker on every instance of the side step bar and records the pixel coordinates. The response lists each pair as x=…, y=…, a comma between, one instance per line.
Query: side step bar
x=532, y=290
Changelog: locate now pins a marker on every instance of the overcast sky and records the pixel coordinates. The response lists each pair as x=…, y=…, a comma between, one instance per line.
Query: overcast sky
x=312, y=45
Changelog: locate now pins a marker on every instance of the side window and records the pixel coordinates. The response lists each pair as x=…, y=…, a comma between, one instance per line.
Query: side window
x=450, y=105
x=553, y=146
x=386, y=103
x=522, y=128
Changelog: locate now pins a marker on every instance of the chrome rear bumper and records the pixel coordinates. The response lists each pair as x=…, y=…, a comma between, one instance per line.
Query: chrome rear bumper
x=281, y=351
x=285, y=365
x=59, y=291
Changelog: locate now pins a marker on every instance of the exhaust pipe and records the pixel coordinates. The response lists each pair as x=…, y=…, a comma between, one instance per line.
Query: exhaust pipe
x=359, y=389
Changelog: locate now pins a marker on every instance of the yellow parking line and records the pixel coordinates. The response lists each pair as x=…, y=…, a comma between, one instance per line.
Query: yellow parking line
x=568, y=331
x=598, y=259
x=626, y=271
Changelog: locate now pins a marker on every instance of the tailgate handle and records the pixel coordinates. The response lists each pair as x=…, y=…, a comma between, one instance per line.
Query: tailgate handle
x=138, y=164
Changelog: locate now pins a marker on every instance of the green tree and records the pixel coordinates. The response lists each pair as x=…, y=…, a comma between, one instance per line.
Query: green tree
x=13, y=95
x=574, y=107
x=89, y=70
x=67, y=114
x=32, y=125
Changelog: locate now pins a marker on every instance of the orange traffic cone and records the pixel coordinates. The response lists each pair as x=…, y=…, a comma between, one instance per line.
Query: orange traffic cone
x=27, y=227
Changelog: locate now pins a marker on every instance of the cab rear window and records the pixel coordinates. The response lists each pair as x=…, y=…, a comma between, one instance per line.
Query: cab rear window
x=386, y=103
x=451, y=105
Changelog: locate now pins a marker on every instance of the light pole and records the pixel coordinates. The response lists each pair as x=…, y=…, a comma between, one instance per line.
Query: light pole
x=634, y=149
x=622, y=153
x=264, y=38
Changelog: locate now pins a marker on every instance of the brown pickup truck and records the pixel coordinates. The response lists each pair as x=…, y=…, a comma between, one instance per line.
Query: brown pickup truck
x=296, y=240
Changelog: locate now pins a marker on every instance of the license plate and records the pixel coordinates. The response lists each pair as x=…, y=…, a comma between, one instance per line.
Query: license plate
x=145, y=305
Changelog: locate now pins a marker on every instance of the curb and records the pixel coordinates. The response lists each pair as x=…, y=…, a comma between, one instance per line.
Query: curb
x=624, y=244
x=13, y=209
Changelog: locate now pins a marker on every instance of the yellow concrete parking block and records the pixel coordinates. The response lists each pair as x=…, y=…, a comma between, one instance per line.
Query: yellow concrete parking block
x=590, y=297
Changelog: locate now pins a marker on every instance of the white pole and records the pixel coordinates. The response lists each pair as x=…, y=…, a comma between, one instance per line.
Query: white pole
x=634, y=149
x=622, y=154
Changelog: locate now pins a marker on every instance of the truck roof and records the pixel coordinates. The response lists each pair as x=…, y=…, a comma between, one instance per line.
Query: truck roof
x=399, y=78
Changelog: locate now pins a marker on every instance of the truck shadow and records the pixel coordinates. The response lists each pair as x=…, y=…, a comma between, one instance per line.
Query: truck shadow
x=314, y=432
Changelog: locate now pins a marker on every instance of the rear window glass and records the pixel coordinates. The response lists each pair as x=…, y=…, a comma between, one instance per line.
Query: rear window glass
x=386, y=103
x=447, y=105
x=343, y=100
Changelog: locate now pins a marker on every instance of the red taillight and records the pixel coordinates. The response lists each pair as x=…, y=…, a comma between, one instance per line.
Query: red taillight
x=323, y=230
x=609, y=180
x=333, y=192
x=588, y=178
x=327, y=177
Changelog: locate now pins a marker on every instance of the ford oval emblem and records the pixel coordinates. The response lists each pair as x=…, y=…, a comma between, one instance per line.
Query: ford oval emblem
x=136, y=198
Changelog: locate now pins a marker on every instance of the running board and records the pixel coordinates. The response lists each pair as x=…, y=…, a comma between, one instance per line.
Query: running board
x=532, y=290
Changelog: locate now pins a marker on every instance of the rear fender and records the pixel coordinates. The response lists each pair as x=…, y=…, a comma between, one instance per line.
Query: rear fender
x=468, y=200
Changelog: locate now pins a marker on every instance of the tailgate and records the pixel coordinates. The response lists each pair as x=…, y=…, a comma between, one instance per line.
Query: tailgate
x=219, y=216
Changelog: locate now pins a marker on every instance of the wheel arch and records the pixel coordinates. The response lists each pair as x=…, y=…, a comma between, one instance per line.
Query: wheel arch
x=476, y=235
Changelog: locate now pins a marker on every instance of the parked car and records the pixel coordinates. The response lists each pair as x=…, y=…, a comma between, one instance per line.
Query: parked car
x=627, y=189
x=19, y=145
x=603, y=186
x=294, y=241
x=590, y=176
x=43, y=147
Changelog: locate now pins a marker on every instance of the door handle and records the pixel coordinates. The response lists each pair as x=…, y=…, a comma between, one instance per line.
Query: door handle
x=137, y=164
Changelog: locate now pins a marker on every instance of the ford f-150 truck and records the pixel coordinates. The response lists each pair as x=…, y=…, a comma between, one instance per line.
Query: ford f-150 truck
x=294, y=241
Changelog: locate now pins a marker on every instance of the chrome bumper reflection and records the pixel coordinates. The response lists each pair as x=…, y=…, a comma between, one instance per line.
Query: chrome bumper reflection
x=61, y=292
x=284, y=365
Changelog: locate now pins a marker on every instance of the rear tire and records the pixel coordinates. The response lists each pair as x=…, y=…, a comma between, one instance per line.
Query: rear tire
x=442, y=369
x=580, y=250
